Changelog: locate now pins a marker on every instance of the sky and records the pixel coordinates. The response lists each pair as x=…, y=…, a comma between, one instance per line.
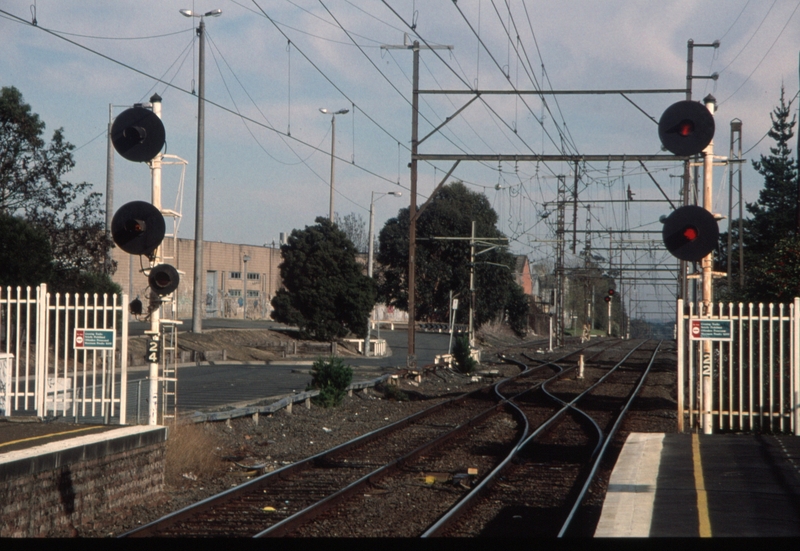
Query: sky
x=270, y=66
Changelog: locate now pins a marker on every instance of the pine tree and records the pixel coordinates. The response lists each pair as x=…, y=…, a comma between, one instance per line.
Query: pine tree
x=774, y=213
x=771, y=234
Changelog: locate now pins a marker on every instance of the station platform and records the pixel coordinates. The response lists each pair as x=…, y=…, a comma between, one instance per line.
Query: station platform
x=18, y=433
x=695, y=485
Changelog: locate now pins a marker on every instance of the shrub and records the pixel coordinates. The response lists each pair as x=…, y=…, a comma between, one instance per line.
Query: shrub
x=332, y=378
x=465, y=363
x=391, y=392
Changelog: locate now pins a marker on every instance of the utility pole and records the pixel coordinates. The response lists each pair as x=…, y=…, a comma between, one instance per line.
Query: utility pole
x=411, y=360
x=797, y=226
x=687, y=175
x=708, y=180
x=333, y=114
x=575, y=210
x=472, y=286
x=473, y=242
x=109, y=186
x=560, y=262
x=155, y=315
x=198, y=300
x=735, y=160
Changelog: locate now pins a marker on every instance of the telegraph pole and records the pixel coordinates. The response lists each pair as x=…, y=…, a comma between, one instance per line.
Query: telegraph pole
x=411, y=360
x=687, y=176
x=109, y=186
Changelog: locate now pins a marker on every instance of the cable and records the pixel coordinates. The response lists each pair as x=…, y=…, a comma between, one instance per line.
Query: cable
x=755, y=32
x=303, y=161
x=765, y=55
x=306, y=33
x=170, y=85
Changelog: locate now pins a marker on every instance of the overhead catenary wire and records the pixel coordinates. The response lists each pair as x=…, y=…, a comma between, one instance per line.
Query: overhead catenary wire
x=176, y=87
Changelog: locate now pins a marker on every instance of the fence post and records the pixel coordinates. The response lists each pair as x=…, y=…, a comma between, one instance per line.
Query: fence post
x=680, y=341
x=796, y=366
x=123, y=385
x=40, y=385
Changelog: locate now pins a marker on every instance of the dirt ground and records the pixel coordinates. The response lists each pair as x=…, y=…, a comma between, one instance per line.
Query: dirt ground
x=243, y=345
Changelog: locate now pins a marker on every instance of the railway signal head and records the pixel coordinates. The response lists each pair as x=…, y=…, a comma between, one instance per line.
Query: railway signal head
x=607, y=299
x=138, y=228
x=163, y=279
x=136, y=307
x=686, y=128
x=138, y=134
x=690, y=233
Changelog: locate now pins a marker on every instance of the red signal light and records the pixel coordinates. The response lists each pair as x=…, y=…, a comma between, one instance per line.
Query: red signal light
x=685, y=128
x=690, y=233
x=611, y=292
x=607, y=299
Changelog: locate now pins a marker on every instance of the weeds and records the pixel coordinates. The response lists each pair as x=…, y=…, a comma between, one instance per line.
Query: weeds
x=391, y=392
x=465, y=363
x=332, y=378
x=190, y=452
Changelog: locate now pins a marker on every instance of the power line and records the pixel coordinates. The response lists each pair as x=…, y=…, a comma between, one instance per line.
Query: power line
x=170, y=85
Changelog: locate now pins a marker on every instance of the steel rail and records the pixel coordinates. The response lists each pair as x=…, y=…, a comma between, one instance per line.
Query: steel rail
x=459, y=508
x=233, y=493
x=256, y=483
x=294, y=521
x=571, y=404
x=609, y=438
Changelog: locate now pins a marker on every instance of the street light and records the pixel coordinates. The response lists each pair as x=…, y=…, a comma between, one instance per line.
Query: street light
x=369, y=256
x=333, y=145
x=244, y=291
x=197, y=301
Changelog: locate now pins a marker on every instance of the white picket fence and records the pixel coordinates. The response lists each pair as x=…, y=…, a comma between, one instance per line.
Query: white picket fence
x=48, y=368
x=755, y=375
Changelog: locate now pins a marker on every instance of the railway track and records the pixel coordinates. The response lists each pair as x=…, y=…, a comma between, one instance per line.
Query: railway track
x=562, y=454
x=428, y=469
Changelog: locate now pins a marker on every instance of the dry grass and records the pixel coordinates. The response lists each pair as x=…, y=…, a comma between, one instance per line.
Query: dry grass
x=495, y=331
x=192, y=451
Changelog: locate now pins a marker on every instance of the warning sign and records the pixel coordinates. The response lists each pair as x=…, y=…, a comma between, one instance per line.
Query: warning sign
x=710, y=330
x=94, y=339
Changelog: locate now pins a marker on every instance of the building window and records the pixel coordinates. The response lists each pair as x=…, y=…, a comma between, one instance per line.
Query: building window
x=236, y=275
x=252, y=294
x=235, y=292
x=255, y=276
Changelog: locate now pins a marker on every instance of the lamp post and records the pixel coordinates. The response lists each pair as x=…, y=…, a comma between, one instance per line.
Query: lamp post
x=333, y=146
x=244, y=290
x=370, y=247
x=198, y=299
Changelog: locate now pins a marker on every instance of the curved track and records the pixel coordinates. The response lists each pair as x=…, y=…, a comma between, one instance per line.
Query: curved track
x=425, y=474
x=562, y=454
